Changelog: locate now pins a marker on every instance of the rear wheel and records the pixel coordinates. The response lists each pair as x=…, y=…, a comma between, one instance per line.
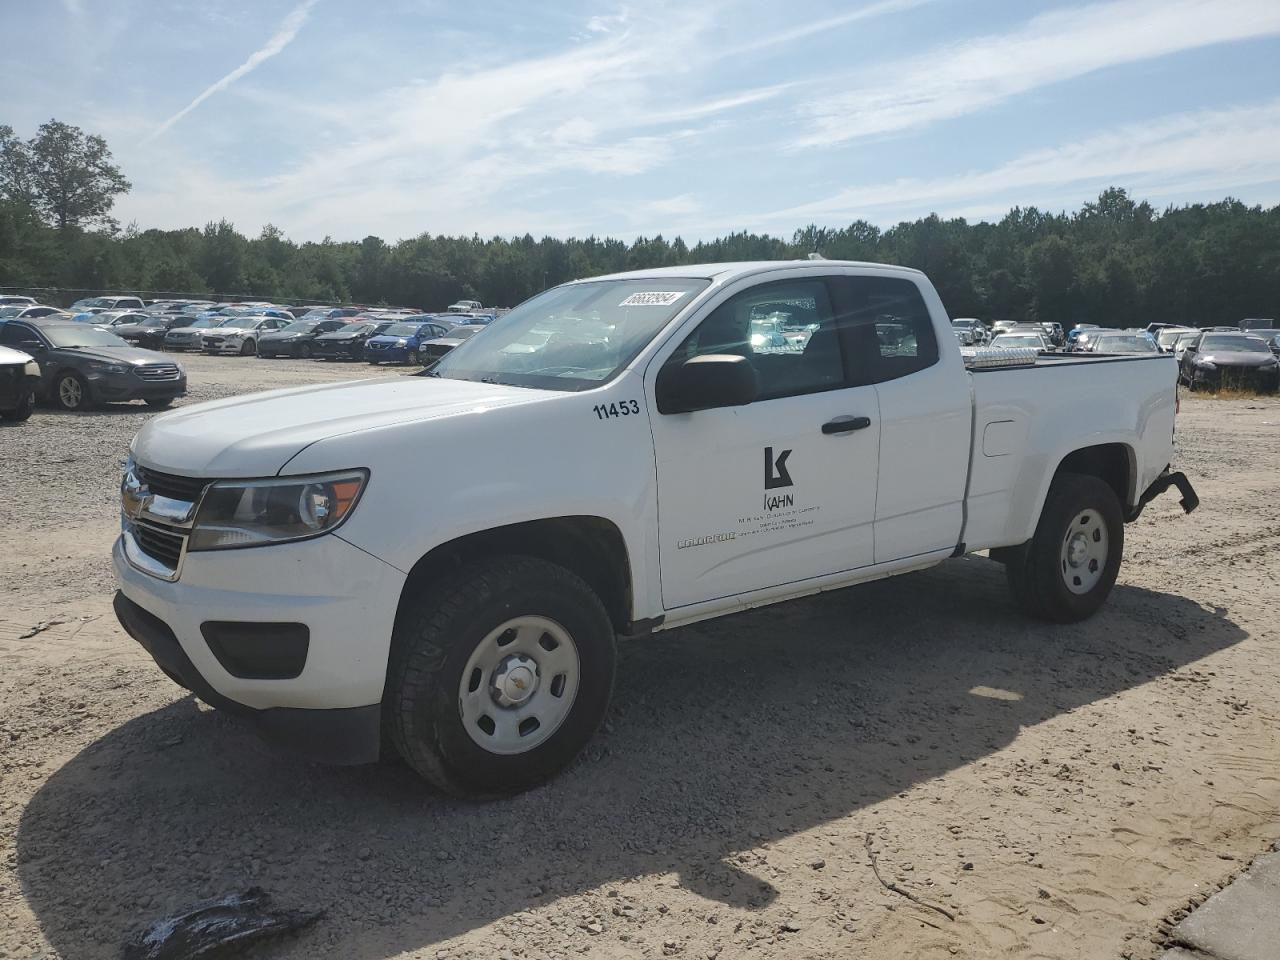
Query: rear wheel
x=1066, y=571
x=499, y=676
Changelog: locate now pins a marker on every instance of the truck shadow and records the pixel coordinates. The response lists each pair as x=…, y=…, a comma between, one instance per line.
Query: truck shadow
x=722, y=737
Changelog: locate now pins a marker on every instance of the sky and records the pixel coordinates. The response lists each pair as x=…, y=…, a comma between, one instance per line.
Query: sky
x=346, y=118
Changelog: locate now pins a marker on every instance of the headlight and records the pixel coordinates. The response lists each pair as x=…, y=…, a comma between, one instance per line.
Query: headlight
x=402, y=343
x=101, y=366
x=1206, y=362
x=253, y=513
x=31, y=368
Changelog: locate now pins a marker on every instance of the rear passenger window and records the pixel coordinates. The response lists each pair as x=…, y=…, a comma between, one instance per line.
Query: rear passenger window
x=885, y=327
x=785, y=329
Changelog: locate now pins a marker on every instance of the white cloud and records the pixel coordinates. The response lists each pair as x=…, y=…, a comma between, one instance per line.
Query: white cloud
x=1052, y=47
x=1167, y=157
x=283, y=36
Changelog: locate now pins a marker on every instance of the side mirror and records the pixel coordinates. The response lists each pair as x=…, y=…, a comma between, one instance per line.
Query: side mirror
x=706, y=382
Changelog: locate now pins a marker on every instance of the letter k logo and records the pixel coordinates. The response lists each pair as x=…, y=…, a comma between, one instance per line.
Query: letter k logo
x=775, y=469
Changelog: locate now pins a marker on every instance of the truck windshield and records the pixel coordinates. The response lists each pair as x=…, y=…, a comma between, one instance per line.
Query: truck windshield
x=573, y=337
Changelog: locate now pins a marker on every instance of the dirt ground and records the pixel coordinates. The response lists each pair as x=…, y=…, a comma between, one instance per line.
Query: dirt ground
x=1059, y=790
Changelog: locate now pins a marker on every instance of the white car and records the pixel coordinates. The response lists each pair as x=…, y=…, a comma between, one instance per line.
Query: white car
x=463, y=306
x=108, y=303
x=654, y=471
x=238, y=335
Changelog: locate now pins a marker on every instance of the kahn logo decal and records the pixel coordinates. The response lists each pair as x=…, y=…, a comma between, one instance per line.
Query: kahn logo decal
x=775, y=469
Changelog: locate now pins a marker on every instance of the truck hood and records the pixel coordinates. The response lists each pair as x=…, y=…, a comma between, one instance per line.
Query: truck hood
x=255, y=435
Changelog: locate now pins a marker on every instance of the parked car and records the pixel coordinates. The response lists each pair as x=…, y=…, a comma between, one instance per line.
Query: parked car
x=19, y=380
x=82, y=365
x=331, y=313
x=1001, y=326
x=148, y=331
x=429, y=351
x=347, y=342
x=1021, y=339
x=401, y=341
x=20, y=312
x=1119, y=341
x=462, y=306
x=108, y=303
x=112, y=318
x=14, y=300
x=970, y=332
x=186, y=333
x=1166, y=336
x=1214, y=360
x=492, y=661
x=238, y=335
x=298, y=338
x=1180, y=344
x=1272, y=339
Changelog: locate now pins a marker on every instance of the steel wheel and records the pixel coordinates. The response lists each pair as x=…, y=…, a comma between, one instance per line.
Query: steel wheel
x=519, y=685
x=1084, y=552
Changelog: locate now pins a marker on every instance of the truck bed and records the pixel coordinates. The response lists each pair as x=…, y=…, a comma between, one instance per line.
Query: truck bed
x=1026, y=420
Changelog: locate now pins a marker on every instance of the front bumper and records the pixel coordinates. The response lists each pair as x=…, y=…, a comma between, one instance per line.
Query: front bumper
x=126, y=386
x=386, y=354
x=345, y=352
x=222, y=346
x=346, y=599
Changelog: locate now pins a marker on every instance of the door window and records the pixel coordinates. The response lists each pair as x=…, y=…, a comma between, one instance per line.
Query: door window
x=785, y=329
x=885, y=327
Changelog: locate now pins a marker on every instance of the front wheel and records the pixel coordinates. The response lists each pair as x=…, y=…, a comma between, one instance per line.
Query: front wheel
x=500, y=676
x=71, y=392
x=1066, y=571
x=413, y=356
x=22, y=411
x=304, y=351
x=249, y=349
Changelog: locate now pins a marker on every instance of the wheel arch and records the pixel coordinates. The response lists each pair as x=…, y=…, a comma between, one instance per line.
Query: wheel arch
x=1113, y=463
x=591, y=547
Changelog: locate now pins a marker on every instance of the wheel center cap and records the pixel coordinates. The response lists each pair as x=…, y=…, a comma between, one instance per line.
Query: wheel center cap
x=1077, y=550
x=515, y=680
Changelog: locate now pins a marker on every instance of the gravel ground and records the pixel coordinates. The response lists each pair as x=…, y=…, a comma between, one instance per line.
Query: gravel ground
x=1060, y=791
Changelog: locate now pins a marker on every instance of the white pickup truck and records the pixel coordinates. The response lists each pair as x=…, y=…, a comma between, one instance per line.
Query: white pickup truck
x=445, y=561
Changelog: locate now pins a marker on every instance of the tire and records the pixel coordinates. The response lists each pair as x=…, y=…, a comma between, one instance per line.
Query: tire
x=1066, y=571
x=22, y=411
x=447, y=676
x=71, y=392
x=160, y=403
x=249, y=349
x=413, y=356
x=304, y=351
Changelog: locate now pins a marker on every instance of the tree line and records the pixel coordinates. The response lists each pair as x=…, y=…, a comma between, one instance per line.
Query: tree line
x=1115, y=261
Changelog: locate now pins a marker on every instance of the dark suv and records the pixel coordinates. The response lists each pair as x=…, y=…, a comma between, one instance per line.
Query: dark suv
x=82, y=365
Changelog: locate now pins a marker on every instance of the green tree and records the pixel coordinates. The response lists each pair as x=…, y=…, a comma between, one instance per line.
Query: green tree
x=63, y=173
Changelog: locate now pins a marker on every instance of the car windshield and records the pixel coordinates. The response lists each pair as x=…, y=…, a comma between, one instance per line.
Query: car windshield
x=355, y=328
x=1114, y=344
x=1230, y=344
x=81, y=335
x=300, y=326
x=575, y=336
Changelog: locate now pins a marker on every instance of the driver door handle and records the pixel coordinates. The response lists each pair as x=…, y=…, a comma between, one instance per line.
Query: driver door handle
x=846, y=424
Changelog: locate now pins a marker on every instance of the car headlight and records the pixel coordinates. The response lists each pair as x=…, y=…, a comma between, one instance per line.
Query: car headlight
x=253, y=513
x=102, y=366
x=1206, y=362
x=31, y=368
x=402, y=343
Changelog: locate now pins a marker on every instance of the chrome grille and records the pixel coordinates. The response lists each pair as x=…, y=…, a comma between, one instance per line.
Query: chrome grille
x=159, y=544
x=168, y=485
x=157, y=371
